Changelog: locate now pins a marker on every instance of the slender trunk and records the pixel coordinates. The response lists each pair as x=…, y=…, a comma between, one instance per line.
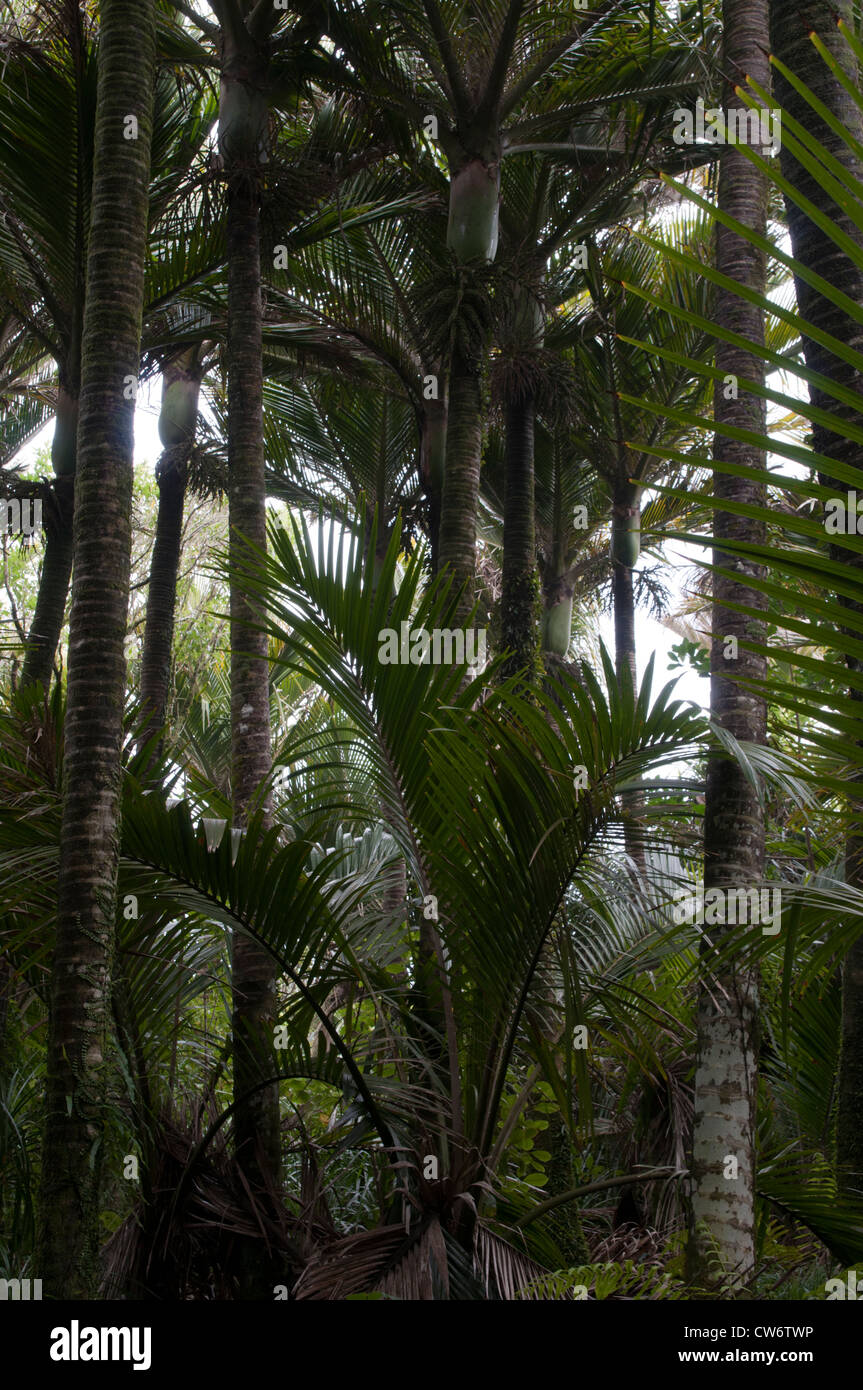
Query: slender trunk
x=57, y=563
x=432, y=468
x=54, y=580
x=520, y=589
x=723, y=1143
x=623, y=599
x=256, y=1121
x=472, y=236
x=460, y=494
x=162, y=588
x=81, y=972
x=181, y=384
x=557, y=590
x=791, y=26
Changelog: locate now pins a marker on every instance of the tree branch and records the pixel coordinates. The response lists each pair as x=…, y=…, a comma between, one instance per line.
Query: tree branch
x=211, y=30
x=231, y=22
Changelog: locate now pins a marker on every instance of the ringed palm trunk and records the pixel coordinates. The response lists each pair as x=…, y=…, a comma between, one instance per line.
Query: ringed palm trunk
x=623, y=599
x=79, y=1016
x=472, y=236
x=722, y=1214
x=625, y=545
x=243, y=125
x=791, y=26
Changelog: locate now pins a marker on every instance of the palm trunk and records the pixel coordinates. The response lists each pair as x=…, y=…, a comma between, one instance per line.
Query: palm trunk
x=181, y=384
x=722, y=1216
x=57, y=564
x=56, y=573
x=472, y=236
x=457, y=545
x=791, y=26
x=432, y=467
x=54, y=580
x=623, y=599
x=162, y=588
x=557, y=590
x=520, y=591
x=81, y=972
x=256, y=1121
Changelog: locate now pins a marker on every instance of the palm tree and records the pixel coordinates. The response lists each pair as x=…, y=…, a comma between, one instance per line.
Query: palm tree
x=397, y=942
x=243, y=147
x=553, y=206
x=48, y=100
x=605, y=335
x=795, y=561
x=352, y=307
x=81, y=970
x=450, y=1087
x=607, y=332
x=477, y=84
x=245, y=38
x=184, y=293
x=409, y=737
x=815, y=248
x=47, y=92
x=726, y=1066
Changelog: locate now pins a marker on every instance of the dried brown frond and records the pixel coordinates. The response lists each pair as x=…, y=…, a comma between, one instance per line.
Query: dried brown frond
x=504, y=1270
x=180, y=1241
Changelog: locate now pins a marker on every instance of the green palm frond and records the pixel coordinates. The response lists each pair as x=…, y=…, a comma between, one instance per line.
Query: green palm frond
x=813, y=598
